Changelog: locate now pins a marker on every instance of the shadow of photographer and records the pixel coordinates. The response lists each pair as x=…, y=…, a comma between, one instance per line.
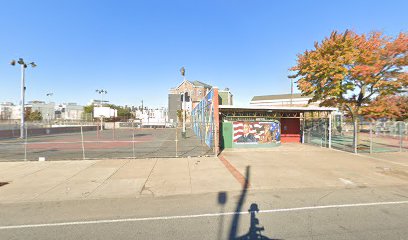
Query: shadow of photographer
x=255, y=230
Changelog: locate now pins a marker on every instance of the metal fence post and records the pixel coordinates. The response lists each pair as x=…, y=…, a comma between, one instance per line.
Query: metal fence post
x=176, y=140
x=400, y=130
x=371, y=138
x=82, y=143
x=25, y=142
x=330, y=130
x=133, y=139
x=355, y=143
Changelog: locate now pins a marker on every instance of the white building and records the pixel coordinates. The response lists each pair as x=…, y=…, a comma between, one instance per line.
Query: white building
x=9, y=111
x=70, y=111
x=152, y=117
x=47, y=110
x=296, y=100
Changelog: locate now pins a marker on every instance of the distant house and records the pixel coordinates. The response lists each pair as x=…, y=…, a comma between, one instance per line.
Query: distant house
x=9, y=111
x=296, y=100
x=47, y=110
x=69, y=111
x=193, y=93
x=152, y=117
x=225, y=97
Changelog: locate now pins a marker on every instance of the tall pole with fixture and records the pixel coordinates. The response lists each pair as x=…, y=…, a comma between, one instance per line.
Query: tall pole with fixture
x=291, y=92
x=183, y=73
x=49, y=95
x=23, y=89
x=101, y=92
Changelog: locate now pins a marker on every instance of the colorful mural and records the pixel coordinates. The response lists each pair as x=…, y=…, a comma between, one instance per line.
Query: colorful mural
x=256, y=132
x=202, y=118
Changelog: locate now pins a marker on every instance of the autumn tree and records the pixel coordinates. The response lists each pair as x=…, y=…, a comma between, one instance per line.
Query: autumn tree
x=391, y=107
x=348, y=70
x=32, y=115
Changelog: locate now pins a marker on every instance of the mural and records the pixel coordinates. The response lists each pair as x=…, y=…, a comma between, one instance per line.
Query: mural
x=256, y=132
x=202, y=118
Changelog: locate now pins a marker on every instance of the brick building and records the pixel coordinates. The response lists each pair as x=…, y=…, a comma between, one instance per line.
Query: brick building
x=194, y=91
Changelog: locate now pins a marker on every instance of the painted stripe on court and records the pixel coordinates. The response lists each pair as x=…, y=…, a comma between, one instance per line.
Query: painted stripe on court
x=201, y=215
x=346, y=181
x=378, y=159
x=383, y=160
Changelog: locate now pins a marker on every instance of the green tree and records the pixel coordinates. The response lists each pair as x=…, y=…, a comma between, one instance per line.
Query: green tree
x=123, y=113
x=88, y=109
x=32, y=116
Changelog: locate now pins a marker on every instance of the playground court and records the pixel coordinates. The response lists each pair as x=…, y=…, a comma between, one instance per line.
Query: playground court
x=113, y=143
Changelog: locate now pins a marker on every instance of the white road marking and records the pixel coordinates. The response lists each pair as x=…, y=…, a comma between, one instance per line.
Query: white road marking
x=346, y=181
x=200, y=215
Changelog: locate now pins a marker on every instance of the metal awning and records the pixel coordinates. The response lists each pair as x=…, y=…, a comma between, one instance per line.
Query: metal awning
x=277, y=108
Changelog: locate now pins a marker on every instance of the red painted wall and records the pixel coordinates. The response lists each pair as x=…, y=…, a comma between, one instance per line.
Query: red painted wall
x=290, y=130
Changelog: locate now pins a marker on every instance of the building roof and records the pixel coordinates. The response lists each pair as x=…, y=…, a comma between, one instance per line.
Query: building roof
x=278, y=96
x=201, y=84
x=194, y=83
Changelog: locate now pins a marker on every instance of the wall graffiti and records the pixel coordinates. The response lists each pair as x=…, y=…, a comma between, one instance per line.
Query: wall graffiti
x=202, y=118
x=256, y=132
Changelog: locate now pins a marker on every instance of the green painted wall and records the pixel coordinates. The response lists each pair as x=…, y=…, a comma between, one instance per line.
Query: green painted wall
x=226, y=140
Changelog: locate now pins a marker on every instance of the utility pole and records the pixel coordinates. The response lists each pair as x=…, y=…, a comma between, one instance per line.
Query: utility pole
x=183, y=133
x=23, y=89
x=291, y=92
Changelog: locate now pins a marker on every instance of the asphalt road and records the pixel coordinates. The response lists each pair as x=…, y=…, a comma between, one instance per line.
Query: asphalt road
x=325, y=213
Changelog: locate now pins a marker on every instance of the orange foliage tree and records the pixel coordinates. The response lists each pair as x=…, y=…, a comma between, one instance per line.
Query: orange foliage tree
x=349, y=71
x=395, y=106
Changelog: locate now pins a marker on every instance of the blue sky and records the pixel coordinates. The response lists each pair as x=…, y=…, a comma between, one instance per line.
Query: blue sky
x=134, y=49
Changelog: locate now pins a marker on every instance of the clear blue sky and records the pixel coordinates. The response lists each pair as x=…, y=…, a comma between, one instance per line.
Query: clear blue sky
x=135, y=49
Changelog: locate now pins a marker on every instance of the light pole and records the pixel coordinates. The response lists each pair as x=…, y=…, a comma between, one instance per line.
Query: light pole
x=183, y=106
x=23, y=88
x=101, y=92
x=49, y=95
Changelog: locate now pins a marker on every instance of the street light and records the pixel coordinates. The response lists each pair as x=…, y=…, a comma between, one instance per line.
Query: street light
x=49, y=95
x=101, y=92
x=23, y=88
x=183, y=106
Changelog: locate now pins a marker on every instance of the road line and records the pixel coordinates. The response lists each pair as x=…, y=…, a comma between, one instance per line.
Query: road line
x=201, y=215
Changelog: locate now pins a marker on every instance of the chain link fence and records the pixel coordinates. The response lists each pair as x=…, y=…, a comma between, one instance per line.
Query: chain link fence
x=114, y=140
x=315, y=132
x=373, y=136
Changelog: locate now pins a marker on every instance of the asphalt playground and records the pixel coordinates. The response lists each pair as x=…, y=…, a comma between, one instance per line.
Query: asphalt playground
x=106, y=144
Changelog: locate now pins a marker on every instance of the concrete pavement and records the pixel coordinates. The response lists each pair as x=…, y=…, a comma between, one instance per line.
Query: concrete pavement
x=90, y=179
x=302, y=192
x=290, y=166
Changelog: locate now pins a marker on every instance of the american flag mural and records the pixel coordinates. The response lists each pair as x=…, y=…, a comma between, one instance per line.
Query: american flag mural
x=256, y=132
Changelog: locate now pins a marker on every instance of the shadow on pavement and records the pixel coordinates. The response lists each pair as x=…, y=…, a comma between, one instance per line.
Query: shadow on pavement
x=255, y=230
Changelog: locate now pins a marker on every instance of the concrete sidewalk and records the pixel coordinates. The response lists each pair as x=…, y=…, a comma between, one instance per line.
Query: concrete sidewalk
x=291, y=166
x=77, y=180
